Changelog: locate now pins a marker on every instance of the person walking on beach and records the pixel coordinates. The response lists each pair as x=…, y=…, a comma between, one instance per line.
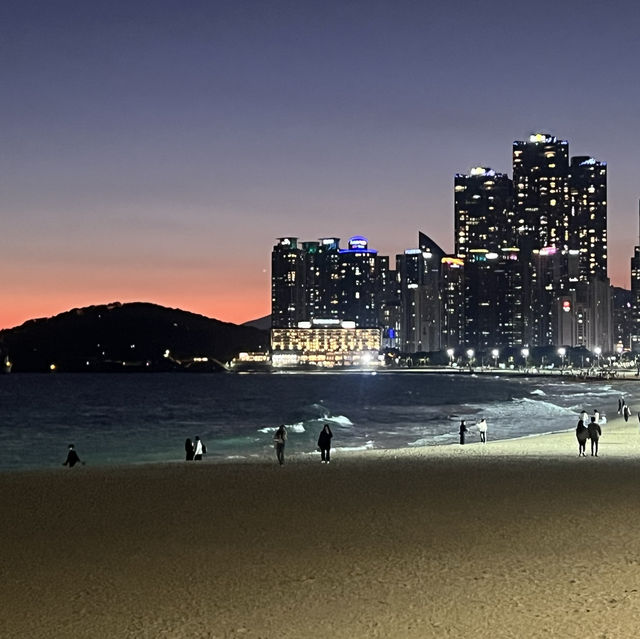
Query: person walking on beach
x=582, y=434
x=324, y=444
x=463, y=431
x=626, y=411
x=620, y=405
x=584, y=417
x=200, y=449
x=279, y=440
x=482, y=429
x=596, y=415
x=594, y=435
x=72, y=457
x=188, y=449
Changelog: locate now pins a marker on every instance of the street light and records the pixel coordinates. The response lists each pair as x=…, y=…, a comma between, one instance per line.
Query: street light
x=450, y=352
x=562, y=351
x=495, y=353
x=597, y=351
x=470, y=354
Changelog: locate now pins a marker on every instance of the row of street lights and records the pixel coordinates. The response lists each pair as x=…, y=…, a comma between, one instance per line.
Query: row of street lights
x=495, y=354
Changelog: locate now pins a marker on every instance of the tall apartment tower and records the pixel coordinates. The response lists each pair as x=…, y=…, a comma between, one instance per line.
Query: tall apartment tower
x=288, y=304
x=483, y=208
x=362, y=274
x=541, y=190
x=420, y=279
x=588, y=189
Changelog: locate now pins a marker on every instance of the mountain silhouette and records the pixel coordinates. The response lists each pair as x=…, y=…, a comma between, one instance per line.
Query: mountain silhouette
x=136, y=336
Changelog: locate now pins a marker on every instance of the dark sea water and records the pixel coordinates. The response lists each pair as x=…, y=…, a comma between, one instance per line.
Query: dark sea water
x=137, y=418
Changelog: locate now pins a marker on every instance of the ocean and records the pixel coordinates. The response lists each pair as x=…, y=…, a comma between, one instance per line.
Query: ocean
x=139, y=418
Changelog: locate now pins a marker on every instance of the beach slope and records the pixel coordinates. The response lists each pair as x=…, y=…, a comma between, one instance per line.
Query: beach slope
x=509, y=539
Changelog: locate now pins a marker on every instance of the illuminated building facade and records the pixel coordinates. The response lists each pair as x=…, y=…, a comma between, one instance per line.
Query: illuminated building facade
x=420, y=277
x=326, y=344
x=483, y=209
x=327, y=302
x=588, y=188
x=541, y=190
x=453, y=318
x=528, y=242
x=288, y=287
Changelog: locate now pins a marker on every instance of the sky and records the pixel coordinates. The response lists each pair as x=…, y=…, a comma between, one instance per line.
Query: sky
x=154, y=151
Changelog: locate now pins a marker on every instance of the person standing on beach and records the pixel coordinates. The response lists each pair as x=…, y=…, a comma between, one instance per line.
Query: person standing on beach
x=188, y=449
x=594, y=435
x=324, y=444
x=72, y=457
x=584, y=417
x=200, y=449
x=626, y=411
x=463, y=431
x=596, y=415
x=482, y=429
x=279, y=440
x=582, y=434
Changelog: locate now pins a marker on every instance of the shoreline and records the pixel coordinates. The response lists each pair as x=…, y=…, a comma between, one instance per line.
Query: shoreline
x=342, y=453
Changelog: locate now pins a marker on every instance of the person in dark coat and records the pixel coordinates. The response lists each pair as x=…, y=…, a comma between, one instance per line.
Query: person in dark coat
x=463, y=431
x=324, y=444
x=189, y=449
x=626, y=411
x=594, y=435
x=72, y=457
x=582, y=434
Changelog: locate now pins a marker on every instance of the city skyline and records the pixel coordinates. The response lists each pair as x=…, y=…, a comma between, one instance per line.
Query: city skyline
x=154, y=152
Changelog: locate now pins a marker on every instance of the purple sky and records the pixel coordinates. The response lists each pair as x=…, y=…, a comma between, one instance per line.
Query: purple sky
x=154, y=150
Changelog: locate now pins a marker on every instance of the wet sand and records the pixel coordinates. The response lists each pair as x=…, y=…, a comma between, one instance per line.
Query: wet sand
x=520, y=538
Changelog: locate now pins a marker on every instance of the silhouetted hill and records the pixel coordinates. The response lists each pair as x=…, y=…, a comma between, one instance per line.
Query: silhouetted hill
x=135, y=336
x=263, y=323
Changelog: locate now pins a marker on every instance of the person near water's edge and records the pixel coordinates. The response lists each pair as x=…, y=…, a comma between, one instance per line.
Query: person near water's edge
x=594, y=435
x=324, y=444
x=279, y=441
x=626, y=411
x=582, y=434
x=200, y=449
x=72, y=457
x=482, y=429
x=463, y=431
x=188, y=449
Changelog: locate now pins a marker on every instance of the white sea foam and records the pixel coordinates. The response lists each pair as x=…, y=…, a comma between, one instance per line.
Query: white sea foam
x=348, y=449
x=538, y=391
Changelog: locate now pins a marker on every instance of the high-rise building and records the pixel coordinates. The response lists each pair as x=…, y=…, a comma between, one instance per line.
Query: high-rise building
x=483, y=206
x=288, y=304
x=588, y=188
x=541, y=190
x=361, y=280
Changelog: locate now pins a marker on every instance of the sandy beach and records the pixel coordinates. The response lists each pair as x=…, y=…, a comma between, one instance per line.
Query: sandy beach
x=520, y=538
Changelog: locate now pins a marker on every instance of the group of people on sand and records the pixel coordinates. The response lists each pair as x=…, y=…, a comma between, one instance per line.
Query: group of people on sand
x=194, y=450
x=588, y=428
x=482, y=429
x=324, y=443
